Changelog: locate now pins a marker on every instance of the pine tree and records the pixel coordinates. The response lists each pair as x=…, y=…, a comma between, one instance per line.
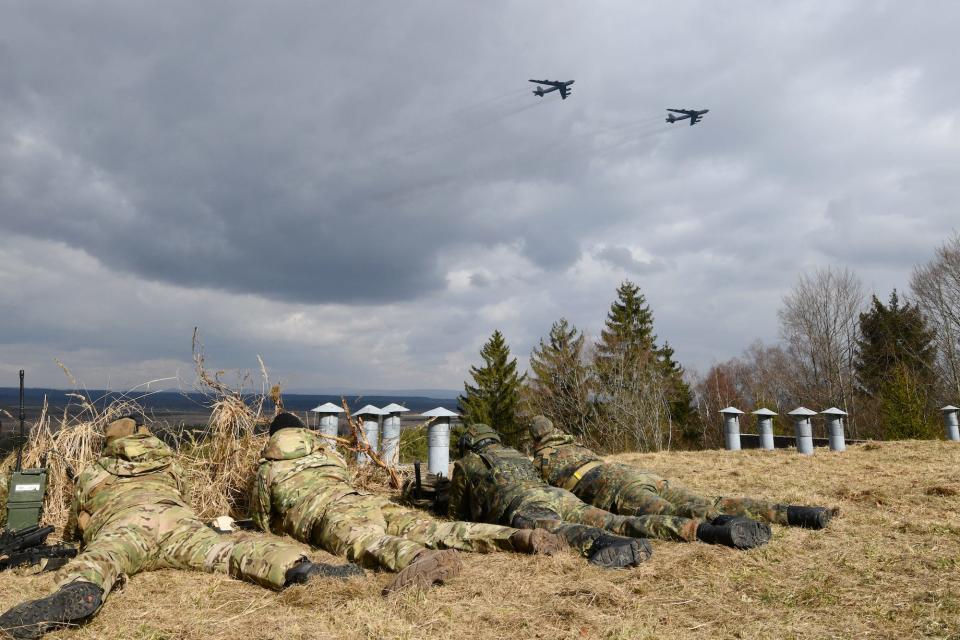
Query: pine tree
x=893, y=335
x=494, y=397
x=681, y=395
x=629, y=326
x=559, y=387
x=895, y=359
x=639, y=384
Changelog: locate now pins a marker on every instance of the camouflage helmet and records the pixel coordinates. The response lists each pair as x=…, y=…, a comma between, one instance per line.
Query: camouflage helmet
x=541, y=427
x=124, y=426
x=476, y=437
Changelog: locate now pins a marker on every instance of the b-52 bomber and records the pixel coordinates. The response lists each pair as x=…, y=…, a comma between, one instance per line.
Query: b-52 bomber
x=555, y=85
x=694, y=115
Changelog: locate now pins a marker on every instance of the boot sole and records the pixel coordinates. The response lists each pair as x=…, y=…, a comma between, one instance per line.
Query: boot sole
x=34, y=619
x=623, y=556
x=747, y=534
x=436, y=568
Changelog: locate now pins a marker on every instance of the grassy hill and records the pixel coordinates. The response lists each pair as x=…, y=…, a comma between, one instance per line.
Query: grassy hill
x=886, y=568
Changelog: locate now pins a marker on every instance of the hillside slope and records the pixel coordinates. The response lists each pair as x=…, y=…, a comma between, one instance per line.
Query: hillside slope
x=887, y=567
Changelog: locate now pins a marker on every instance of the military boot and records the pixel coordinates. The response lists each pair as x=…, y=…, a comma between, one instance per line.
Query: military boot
x=617, y=552
x=537, y=541
x=72, y=604
x=302, y=572
x=428, y=568
x=734, y=531
x=809, y=517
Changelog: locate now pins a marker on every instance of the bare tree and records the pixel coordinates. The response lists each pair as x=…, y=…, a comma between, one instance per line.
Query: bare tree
x=819, y=324
x=936, y=290
x=633, y=403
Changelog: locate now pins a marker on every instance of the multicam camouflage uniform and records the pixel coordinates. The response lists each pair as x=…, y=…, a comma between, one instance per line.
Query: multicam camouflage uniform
x=303, y=489
x=131, y=509
x=494, y=483
x=4, y=489
x=626, y=490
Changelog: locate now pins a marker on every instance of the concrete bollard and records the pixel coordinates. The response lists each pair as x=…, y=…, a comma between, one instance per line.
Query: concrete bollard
x=438, y=440
x=950, y=422
x=390, y=440
x=731, y=428
x=765, y=428
x=371, y=429
x=835, y=428
x=803, y=429
x=329, y=420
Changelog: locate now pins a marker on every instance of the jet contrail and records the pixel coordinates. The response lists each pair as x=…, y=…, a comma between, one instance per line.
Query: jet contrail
x=642, y=135
x=447, y=121
x=468, y=128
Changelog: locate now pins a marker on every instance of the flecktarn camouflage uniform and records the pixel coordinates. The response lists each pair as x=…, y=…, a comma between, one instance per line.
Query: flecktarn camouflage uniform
x=495, y=483
x=131, y=509
x=303, y=489
x=627, y=490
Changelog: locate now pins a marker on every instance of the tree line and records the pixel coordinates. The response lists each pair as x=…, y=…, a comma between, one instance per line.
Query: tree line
x=889, y=361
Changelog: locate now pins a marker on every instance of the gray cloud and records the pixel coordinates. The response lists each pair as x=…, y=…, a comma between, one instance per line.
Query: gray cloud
x=363, y=193
x=623, y=258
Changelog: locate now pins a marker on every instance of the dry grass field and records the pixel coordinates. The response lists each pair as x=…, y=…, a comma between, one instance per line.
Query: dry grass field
x=886, y=568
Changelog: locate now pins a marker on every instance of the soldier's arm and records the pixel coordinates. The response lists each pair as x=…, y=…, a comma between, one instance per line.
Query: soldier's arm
x=71, y=532
x=260, y=500
x=459, y=507
x=183, y=482
x=4, y=484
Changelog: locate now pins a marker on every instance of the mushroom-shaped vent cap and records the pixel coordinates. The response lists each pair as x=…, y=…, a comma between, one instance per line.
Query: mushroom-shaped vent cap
x=393, y=407
x=763, y=412
x=833, y=411
x=327, y=407
x=949, y=407
x=368, y=410
x=802, y=411
x=440, y=412
x=732, y=410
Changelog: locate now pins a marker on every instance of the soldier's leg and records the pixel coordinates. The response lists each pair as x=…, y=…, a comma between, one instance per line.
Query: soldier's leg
x=772, y=512
x=648, y=494
x=600, y=547
x=641, y=500
x=445, y=534
x=119, y=550
x=187, y=543
x=354, y=526
x=689, y=504
x=572, y=509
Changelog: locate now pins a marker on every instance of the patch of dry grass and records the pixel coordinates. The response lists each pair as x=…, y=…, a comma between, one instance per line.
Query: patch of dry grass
x=886, y=568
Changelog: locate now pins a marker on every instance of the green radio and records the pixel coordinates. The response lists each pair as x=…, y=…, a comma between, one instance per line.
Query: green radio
x=27, y=487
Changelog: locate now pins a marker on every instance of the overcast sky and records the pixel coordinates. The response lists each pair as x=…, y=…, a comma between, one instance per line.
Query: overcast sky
x=361, y=192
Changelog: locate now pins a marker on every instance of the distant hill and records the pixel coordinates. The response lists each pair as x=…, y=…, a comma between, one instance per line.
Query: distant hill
x=177, y=402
